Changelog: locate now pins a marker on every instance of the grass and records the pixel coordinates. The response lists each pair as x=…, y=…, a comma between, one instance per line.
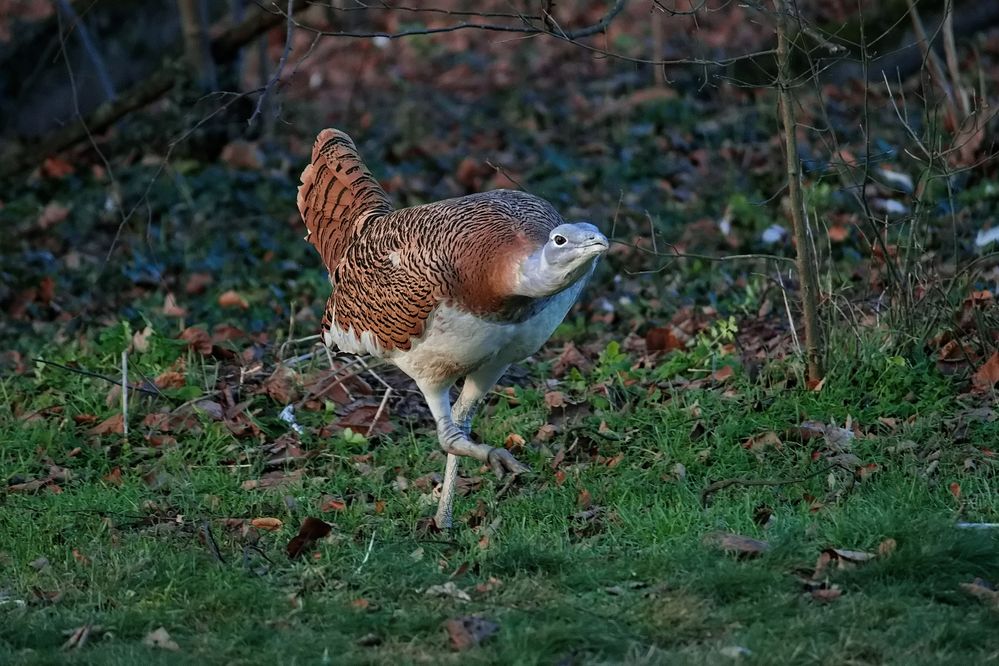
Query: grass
x=123, y=533
x=636, y=584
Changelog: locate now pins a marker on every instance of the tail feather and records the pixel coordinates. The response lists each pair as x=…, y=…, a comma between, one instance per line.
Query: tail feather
x=338, y=194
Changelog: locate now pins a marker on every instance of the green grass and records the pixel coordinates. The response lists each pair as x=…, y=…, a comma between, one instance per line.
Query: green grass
x=638, y=584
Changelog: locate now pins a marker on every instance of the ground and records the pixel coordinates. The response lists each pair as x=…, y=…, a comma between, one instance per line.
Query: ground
x=693, y=499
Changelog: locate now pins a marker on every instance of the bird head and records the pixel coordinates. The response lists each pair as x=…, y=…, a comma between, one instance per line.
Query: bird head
x=568, y=256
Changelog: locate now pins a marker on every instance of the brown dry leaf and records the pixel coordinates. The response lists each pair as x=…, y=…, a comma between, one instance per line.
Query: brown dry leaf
x=171, y=379
x=982, y=589
x=664, y=338
x=57, y=167
x=232, y=299
x=584, y=500
x=763, y=441
x=269, y=524
x=468, y=631
x=330, y=503
x=111, y=425
x=171, y=308
x=448, y=589
x=197, y=283
x=272, y=480
x=78, y=637
x=545, y=433
x=827, y=594
x=197, y=339
x=571, y=357
x=723, y=373
x=53, y=213
x=114, y=477
x=987, y=375
x=280, y=386
x=160, y=639
x=359, y=415
x=740, y=545
x=513, y=442
x=311, y=531
x=140, y=340
x=554, y=399
x=838, y=233
x=242, y=155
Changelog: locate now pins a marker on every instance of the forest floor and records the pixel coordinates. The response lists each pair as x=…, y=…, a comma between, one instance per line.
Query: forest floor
x=692, y=498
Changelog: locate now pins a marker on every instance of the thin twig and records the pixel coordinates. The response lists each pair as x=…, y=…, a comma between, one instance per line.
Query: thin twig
x=378, y=414
x=289, y=31
x=209, y=538
x=88, y=373
x=725, y=483
x=124, y=392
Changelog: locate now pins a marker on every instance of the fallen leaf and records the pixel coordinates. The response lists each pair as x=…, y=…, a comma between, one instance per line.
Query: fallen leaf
x=171, y=308
x=160, y=639
x=170, y=379
x=554, y=399
x=468, y=631
x=272, y=480
x=763, y=441
x=330, y=503
x=571, y=357
x=663, y=339
x=114, y=477
x=140, y=340
x=827, y=594
x=584, y=500
x=232, y=299
x=448, y=589
x=78, y=637
x=242, y=155
x=723, y=373
x=197, y=283
x=740, y=545
x=982, y=589
x=987, y=375
x=53, y=213
x=111, y=425
x=311, y=531
x=513, y=442
x=269, y=524
x=955, y=490
x=197, y=339
x=280, y=385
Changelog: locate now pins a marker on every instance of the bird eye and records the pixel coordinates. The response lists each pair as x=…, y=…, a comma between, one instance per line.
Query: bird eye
x=559, y=239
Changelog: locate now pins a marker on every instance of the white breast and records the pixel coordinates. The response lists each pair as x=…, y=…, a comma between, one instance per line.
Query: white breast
x=466, y=342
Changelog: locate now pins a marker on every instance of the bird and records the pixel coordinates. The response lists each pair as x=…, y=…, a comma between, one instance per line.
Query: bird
x=453, y=290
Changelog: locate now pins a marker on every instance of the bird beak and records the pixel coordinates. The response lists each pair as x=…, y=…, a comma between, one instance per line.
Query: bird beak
x=597, y=245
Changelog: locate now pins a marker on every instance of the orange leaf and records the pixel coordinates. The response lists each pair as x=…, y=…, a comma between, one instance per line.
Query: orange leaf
x=723, y=373
x=110, y=425
x=987, y=375
x=269, y=524
x=232, y=299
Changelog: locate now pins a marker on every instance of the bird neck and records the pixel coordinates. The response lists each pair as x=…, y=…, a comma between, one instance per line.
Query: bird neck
x=538, y=279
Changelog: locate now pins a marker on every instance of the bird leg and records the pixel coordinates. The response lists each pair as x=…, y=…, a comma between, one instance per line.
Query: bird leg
x=454, y=429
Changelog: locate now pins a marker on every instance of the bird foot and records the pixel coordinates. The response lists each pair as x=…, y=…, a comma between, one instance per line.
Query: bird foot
x=503, y=462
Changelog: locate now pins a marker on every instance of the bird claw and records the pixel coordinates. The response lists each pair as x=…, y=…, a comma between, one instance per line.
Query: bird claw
x=502, y=461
